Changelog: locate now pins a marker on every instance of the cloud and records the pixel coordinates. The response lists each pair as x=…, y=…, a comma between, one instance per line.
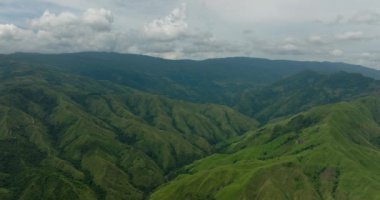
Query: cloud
x=316, y=39
x=195, y=45
x=359, y=18
x=50, y=20
x=366, y=55
x=365, y=17
x=170, y=27
x=63, y=32
x=282, y=49
x=289, y=46
x=207, y=44
x=351, y=35
x=68, y=23
x=356, y=36
x=92, y=30
x=198, y=29
x=336, y=52
x=172, y=37
x=11, y=32
x=369, y=59
x=338, y=20
x=99, y=20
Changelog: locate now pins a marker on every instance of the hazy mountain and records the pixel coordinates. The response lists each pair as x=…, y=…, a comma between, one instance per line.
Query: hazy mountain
x=211, y=81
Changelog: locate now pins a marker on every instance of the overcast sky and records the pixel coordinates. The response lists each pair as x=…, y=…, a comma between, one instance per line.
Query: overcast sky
x=338, y=30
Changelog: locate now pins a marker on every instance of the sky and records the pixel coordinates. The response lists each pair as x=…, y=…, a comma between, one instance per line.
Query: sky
x=323, y=30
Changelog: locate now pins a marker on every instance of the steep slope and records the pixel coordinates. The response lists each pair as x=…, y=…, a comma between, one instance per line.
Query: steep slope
x=210, y=81
x=63, y=136
x=303, y=91
x=330, y=152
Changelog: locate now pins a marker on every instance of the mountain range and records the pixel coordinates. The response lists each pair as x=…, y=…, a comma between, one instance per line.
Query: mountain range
x=110, y=126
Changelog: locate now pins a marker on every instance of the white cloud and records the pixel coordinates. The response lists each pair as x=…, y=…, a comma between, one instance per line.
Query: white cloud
x=13, y=38
x=63, y=32
x=100, y=20
x=316, y=39
x=67, y=23
x=50, y=20
x=172, y=37
x=290, y=47
x=366, y=55
x=168, y=28
x=11, y=32
x=369, y=59
x=336, y=52
x=351, y=35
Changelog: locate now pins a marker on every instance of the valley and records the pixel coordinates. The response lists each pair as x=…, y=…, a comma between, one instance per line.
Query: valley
x=121, y=126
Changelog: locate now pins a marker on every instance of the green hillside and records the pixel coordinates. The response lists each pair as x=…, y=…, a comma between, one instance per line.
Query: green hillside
x=83, y=126
x=303, y=91
x=67, y=137
x=329, y=152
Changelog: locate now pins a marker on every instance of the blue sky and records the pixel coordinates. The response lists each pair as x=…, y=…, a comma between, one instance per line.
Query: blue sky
x=339, y=30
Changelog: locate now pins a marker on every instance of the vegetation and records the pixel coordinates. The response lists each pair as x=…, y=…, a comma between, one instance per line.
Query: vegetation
x=68, y=137
x=325, y=153
x=304, y=91
x=218, y=81
x=83, y=126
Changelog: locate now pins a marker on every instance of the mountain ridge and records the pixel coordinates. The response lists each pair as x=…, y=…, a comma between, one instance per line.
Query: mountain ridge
x=218, y=81
x=302, y=91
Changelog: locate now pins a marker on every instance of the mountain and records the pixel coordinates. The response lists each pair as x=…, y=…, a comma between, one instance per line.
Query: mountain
x=64, y=136
x=209, y=81
x=329, y=152
x=303, y=91
x=118, y=126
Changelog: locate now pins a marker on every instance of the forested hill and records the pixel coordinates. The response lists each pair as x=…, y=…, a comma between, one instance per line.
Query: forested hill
x=109, y=126
x=207, y=81
x=63, y=136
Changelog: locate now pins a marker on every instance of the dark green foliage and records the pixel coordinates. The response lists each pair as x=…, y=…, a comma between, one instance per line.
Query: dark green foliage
x=72, y=127
x=212, y=81
x=16, y=155
x=296, y=125
x=303, y=91
x=64, y=136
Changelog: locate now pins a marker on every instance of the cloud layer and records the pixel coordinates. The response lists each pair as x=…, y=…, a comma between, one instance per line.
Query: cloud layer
x=63, y=32
x=197, y=29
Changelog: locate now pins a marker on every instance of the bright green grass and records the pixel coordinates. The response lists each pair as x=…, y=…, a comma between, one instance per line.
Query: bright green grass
x=333, y=158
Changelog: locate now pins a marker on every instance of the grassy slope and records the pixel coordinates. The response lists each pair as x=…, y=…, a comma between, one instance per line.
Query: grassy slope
x=67, y=137
x=330, y=152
